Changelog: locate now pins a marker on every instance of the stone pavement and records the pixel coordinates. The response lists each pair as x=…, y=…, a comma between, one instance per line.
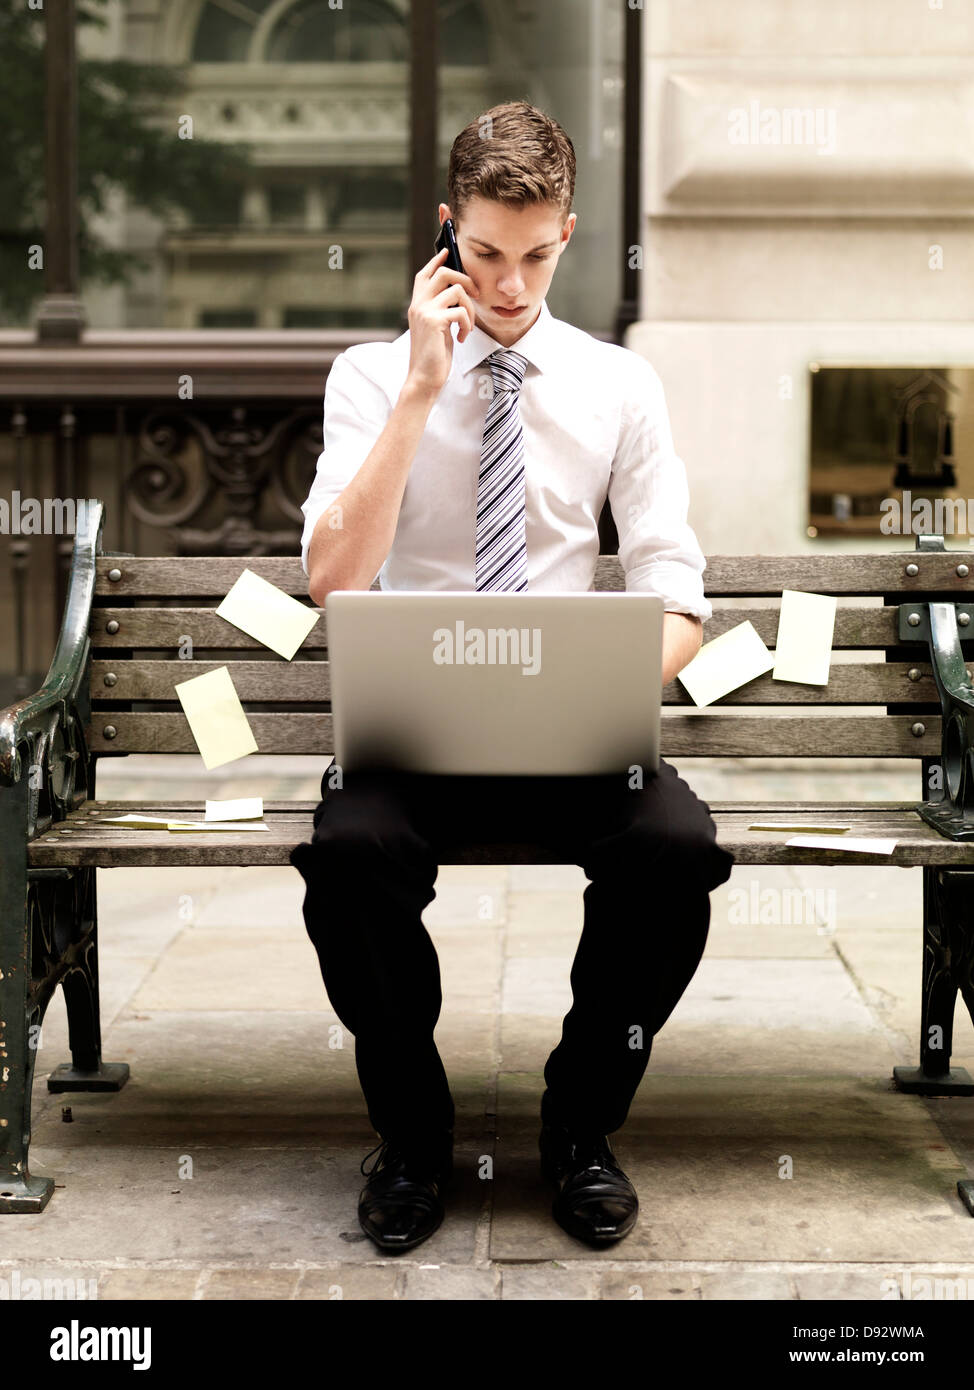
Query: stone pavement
x=772, y=1157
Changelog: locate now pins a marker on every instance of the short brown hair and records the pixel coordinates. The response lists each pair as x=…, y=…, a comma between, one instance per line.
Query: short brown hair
x=514, y=154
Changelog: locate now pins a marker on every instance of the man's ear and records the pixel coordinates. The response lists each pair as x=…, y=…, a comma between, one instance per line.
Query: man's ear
x=444, y=212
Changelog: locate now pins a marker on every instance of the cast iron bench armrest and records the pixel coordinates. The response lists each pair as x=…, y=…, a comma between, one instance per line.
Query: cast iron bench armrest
x=51, y=722
x=937, y=624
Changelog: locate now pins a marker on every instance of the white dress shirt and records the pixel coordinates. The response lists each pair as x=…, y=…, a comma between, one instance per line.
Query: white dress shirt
x=595, y=425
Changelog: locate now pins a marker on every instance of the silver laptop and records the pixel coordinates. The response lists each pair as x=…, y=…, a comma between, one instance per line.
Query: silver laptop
x=506, y=684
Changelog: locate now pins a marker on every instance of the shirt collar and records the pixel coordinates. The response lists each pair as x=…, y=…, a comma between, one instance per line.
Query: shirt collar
x=538, y=344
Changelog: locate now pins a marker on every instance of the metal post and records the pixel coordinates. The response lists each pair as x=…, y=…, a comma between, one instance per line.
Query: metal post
x=632, y=225
x=423, y=139
x=61, y=315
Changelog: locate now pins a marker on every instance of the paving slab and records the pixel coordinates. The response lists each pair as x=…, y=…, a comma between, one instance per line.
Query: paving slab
x=375, y=1281
x=471, y=962
x=468, y=895
x=143, y=909
x=240, y=1284
x=250, y=1206
x=796, y=941
x=874, y=896
x=872, y=1176
x=218, y=1079
x=879, y=1282
x=887, y=965
x=254, y=897
x=266, y=969
x=213, y=1078
x=752, y=1015
x=546, y=1280
x=638, y=1285
x=450, y=1282
x=749, y=1285
x=140, y=1284
x=30, y=1279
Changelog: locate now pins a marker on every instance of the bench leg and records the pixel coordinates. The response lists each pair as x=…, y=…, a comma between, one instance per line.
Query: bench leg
x=22, y=1007
x=77, y=917
x=948, y=968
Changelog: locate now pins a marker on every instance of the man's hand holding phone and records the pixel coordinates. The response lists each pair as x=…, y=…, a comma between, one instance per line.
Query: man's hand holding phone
x=441, y=297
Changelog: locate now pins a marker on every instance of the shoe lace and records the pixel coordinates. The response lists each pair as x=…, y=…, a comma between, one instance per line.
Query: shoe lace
x=386, y=1151
x=592, y=1151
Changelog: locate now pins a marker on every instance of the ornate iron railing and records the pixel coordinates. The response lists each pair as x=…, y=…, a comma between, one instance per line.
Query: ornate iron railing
x=202, y=443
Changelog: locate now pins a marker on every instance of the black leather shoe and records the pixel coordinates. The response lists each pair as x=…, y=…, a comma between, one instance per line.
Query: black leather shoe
x=595, y=1201
x=401, y=1204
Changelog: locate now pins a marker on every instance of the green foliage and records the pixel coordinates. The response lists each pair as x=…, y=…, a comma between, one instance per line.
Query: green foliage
x=124, y=143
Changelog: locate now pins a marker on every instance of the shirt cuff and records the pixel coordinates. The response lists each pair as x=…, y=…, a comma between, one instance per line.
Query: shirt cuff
x=313, y=510
x=679, y=586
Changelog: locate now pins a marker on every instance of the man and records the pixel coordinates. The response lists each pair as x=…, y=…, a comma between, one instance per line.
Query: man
x=482, y=461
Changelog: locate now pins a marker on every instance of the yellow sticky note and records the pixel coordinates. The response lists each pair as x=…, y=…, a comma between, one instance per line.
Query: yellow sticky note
x=730, y=660
x=803, y=647
x=135, y=822
x=787, y=825
x=267, y=613
x=216, y=717
x=233, y=825
x=243, y=808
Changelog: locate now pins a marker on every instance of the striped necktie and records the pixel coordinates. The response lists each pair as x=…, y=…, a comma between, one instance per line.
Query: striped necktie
x=501, y=547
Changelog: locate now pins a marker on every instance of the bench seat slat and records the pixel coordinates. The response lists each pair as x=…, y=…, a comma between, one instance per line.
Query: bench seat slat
x=683, y=735
x=88, y=843
x=856, y=683
x=162, y=629
x=764, y=810
x=160, y=576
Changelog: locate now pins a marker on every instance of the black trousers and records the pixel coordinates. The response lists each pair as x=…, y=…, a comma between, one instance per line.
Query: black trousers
x=651, y=855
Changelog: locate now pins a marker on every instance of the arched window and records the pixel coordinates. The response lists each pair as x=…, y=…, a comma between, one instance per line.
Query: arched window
x=311, y=31
x=364, y=31
x=307, y=31
x=224, y=35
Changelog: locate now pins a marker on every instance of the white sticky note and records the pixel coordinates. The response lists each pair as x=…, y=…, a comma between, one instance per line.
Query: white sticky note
x=233, y=825
x=806, y=828
x=243, y=808
x=265, y=612
x=803, y=646
x=216, y=717
x=858, y=844
x=730, y=660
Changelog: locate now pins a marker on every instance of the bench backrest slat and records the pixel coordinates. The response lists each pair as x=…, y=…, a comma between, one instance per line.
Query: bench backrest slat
x=733, y=576
x=153, y=628
x=303, y=682
x=684, y=735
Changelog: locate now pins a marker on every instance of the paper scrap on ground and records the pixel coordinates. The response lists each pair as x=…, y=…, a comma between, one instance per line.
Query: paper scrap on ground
x=809, y=829
x=243, y=808
x=265, y=612
x=730, y=660
x=858, y=844
x=803, y=646
x=216, y=717
x=233, y=825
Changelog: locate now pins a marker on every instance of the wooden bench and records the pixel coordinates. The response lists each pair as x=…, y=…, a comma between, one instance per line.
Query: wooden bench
x=109, y=692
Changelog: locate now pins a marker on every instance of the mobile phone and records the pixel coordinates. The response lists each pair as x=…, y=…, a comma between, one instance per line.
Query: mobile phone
x=448, y=238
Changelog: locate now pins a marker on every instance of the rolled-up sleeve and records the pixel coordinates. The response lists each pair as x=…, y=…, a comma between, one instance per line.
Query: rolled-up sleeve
x=649, y=499
x=356, y=410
